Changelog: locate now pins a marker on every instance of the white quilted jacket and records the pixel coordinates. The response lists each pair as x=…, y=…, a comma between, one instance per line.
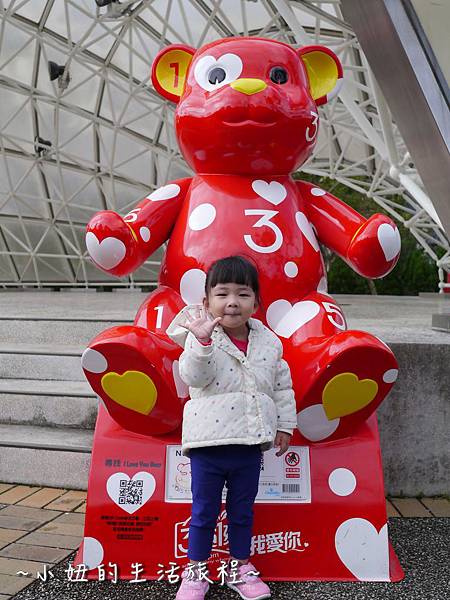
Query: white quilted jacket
x=234, y=398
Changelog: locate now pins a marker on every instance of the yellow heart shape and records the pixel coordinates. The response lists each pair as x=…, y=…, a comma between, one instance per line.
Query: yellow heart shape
x=133, y=390
x=345, y=394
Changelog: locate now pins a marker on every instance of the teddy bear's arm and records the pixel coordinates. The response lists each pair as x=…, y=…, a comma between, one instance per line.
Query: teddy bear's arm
x=371, y=247
x=119, y=245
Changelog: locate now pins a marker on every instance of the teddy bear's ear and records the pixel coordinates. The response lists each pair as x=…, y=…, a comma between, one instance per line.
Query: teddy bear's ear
x=169, y=70
x=324, y=72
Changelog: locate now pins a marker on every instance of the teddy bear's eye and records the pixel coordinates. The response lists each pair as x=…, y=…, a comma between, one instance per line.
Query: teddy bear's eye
x=216, y=75
x=278, y=75
x=213, y=73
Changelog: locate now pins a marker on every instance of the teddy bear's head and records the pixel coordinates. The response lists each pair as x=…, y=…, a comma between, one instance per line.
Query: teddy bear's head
x=246, y=106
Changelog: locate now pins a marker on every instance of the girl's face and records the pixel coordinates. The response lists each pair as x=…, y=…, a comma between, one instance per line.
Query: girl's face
x=234, y=302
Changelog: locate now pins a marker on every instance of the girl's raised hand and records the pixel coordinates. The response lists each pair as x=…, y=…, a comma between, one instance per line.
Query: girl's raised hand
x=202, y=325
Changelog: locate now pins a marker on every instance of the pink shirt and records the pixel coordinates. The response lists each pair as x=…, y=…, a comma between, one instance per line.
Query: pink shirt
x=241, y=344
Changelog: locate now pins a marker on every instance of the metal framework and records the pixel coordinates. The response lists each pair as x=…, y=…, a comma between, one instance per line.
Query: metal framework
x=99, y=137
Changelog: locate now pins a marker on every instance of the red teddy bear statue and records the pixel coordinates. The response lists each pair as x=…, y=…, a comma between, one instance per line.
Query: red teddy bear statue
x=246, y=118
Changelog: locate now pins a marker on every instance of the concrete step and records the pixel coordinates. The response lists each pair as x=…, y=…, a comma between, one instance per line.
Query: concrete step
x=53, y=331
x=56, y=457
x=80, y=306
x=43, y=361
x=48, y=403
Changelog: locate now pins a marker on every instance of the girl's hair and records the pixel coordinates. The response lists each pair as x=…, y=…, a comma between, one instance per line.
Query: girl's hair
x=233, y=269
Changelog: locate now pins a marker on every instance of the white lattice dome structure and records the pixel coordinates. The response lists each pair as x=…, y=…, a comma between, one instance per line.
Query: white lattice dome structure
x=98, y=136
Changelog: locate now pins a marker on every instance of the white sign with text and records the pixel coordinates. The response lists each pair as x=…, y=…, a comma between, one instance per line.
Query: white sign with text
x=283, y=479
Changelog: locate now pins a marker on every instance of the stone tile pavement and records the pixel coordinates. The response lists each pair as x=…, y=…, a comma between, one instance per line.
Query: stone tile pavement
x=40, y=527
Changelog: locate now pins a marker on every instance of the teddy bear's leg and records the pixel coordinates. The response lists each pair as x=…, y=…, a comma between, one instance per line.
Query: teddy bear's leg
x=133, y=368
x=339, y=376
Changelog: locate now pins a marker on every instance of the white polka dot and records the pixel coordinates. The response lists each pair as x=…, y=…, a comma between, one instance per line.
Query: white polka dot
x=291, y=269
x=93, y=361
x=92, y=553
x=317, y=192
x=165, y=192
x=314, y=425
x=342, y=482
x=322, y=286
x=192, y=286
x=202, y=216
x=145, y=233
x=390, y=376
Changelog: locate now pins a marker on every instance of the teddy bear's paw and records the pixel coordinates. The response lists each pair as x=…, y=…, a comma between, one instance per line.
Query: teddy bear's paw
x=356, y=371
x=125, y=369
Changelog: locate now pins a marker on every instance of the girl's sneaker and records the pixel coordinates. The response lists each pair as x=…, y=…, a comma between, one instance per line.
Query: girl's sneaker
x=191, y=588
x=248, y=586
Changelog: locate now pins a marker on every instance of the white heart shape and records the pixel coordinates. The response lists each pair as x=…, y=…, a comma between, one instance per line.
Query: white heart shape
x=92, y=553
x=181, y=387
x=363, y=550
x=273, y=192
x=165, y=192
x=120, y=491
x=305, y=227
x=108, y=253
x=284, y=319
x=390, y=241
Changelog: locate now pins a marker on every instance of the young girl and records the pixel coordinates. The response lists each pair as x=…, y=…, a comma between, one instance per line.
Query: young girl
x=241, y=404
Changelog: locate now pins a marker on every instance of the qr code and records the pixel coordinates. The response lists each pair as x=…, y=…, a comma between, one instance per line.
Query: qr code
x=130, y=492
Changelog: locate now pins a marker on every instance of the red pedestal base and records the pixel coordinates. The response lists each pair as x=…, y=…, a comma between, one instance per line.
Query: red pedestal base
x=337, y=532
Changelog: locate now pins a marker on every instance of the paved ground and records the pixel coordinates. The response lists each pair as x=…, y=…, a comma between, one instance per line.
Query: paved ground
x=45, y=525
x=421, y=544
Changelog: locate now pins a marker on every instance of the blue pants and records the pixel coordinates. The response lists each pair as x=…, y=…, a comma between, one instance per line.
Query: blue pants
x=240, y=466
